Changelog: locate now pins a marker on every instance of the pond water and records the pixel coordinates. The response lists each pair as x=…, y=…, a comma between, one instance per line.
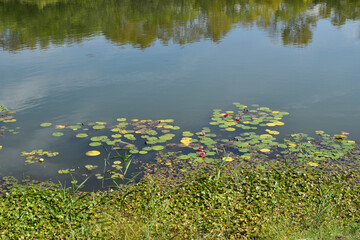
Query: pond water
x=81, y=61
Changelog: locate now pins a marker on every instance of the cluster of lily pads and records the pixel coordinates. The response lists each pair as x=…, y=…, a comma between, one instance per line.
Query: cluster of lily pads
x=7, y=117
x=137, y=137
x=235, y=135
x=38, y=155
x=302, y=147
x=239, y=138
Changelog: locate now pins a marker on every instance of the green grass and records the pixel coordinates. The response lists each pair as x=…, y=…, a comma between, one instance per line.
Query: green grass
x=234, y=203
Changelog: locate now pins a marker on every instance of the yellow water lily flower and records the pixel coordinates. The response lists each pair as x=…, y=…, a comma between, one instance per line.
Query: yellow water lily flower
x=186, y=141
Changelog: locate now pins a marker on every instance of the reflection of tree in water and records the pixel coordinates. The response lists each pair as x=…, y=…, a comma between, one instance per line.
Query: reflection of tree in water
x=297, y=32
x=139, y=23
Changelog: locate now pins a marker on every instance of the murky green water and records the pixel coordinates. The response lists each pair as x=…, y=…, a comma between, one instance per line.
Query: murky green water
x=80, y=61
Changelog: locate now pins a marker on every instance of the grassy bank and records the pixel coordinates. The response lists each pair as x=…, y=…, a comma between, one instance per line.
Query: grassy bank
x=291, y=203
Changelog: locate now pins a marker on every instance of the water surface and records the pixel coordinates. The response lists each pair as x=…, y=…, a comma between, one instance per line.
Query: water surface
x=67, y=62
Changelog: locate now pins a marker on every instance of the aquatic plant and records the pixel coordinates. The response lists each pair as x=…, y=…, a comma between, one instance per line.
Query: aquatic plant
x=3, y=109
x=38, y=155
x=243, y=134
x=6, y=117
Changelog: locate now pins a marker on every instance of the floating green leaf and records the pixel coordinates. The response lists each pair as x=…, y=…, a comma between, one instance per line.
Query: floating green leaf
x=184, y=157
x=99, y=138
x=74, y=127
x=95, y=144
x=98, y=127
x=92, y=153
x=116, y=135
x=65, y=171
x=157, y=147
x=81, y=135
x=38, y=155
x=57, y=134
x=187, y=134
x=130, y=137
x=91, y=167
x=46, y=124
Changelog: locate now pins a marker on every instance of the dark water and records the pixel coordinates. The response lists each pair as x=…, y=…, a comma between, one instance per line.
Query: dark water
x=66, y=62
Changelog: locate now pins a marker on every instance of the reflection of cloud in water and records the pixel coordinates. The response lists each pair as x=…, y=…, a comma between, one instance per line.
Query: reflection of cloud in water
x=23, y=95
x=30, y=92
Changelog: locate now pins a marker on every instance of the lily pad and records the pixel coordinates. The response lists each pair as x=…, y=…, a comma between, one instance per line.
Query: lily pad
x=99, y=138
x=81, y=135
x=45, y=124
x=65, y=171
x=9, y=121
x=74, y=127
x=187, y=134
x=95, y=144
x=92, y=153
x=91, y=167
x=184, y=157
x=57, y=134
x=37, y=155
x=157, y=147
x=264, y=150
x=130, y=137
x=116, y=135
x=98, y=176
x=98, y=127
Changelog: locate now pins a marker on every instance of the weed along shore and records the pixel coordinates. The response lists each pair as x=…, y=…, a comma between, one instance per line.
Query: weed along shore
x=229, y=202
x=232, y=179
